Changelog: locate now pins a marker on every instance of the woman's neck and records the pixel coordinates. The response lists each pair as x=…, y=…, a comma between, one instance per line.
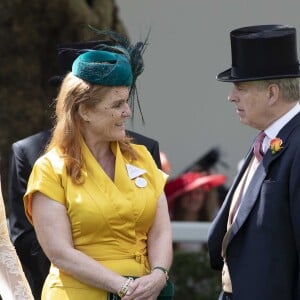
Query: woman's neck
x=104, y=156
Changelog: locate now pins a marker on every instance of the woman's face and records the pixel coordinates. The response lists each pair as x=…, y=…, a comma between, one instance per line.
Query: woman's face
x=106, y=120
x=193, y=201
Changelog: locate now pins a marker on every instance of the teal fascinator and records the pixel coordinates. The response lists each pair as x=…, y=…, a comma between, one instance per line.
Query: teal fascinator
x=103, y=68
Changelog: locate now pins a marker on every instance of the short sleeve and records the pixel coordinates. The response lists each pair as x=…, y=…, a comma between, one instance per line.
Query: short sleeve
x=46, y=178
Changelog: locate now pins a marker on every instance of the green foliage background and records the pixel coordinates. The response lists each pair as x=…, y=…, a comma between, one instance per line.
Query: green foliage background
x=193, y=277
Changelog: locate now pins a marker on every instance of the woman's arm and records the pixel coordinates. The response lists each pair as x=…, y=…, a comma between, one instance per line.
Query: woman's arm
x=160, y=254
x=160, y=249
x=52, y=225
x=13, y=283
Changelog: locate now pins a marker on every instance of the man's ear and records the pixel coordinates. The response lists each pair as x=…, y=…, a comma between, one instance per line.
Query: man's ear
x=83, y=112
x=273, y=93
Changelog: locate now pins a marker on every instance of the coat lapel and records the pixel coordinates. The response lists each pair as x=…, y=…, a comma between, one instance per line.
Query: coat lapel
x=249, y=198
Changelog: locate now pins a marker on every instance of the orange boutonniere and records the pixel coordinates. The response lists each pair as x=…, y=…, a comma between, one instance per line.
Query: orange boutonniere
x=276, y=145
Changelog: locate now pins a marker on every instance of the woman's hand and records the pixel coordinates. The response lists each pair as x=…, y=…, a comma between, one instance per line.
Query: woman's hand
x=147, y=287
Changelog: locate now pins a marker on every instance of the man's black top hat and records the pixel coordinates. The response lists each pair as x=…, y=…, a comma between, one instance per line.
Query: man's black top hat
x=67, y=53
x=262, y=52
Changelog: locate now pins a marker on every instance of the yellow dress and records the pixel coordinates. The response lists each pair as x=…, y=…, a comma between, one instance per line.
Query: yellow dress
x=109, y=219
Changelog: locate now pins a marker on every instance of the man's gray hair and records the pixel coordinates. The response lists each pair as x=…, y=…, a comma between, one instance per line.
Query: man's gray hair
x=289, y=87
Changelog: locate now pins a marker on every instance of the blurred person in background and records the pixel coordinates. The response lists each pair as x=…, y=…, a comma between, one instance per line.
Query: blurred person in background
x=165, y=163
x=13, y=283
x=193, y=197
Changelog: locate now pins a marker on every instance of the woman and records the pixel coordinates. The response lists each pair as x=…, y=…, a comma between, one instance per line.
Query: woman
x=13, y=283
x=192, y=197
x=95, y=199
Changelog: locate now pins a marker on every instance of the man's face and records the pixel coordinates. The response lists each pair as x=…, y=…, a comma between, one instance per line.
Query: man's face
x=251, y=103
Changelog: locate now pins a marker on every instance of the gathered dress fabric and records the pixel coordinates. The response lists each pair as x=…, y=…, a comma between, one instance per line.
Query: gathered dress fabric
x=110, y=219
x=13, y=283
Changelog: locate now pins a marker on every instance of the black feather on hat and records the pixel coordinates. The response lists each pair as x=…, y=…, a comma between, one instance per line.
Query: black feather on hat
x=67, y=53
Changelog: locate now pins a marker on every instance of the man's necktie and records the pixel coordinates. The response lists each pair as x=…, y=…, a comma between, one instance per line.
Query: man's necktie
x=257, y=148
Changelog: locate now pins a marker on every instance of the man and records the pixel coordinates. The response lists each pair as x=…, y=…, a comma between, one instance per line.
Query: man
x=255, y=238
x=23, y=156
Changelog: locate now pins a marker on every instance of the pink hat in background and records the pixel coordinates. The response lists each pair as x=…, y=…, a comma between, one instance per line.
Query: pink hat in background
x=190, y=181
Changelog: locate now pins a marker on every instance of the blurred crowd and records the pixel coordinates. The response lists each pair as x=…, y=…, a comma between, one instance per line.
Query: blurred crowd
x=196, y=194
